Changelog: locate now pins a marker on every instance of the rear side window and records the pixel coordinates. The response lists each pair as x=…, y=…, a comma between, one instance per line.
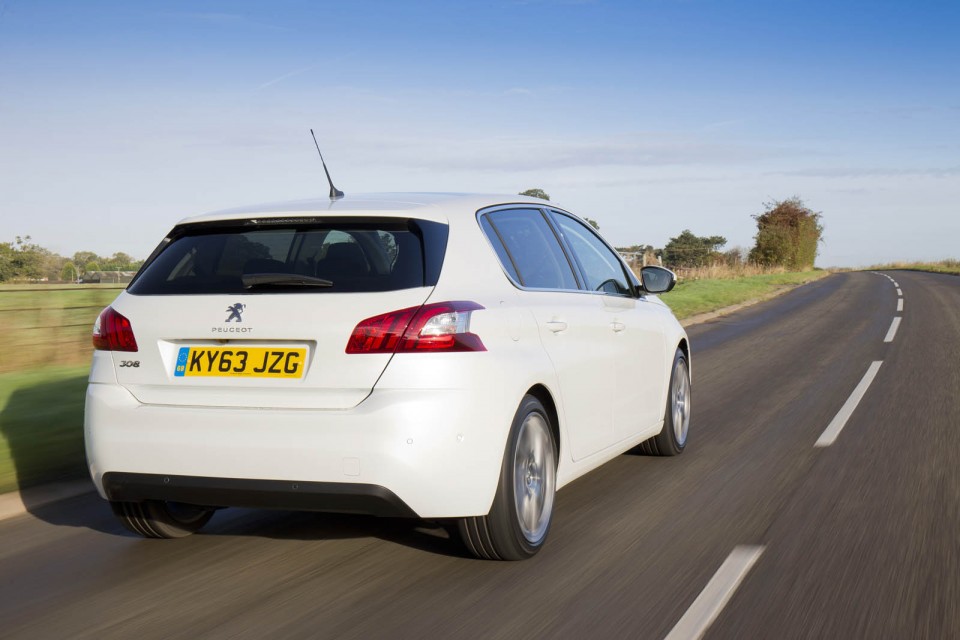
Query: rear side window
x=528, y=249
x=352, y=256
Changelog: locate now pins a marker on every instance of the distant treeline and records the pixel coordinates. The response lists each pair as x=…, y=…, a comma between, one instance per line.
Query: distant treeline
x=788, y=236
x=24, y=261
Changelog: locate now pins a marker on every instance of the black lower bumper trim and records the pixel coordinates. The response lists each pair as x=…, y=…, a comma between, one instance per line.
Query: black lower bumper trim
x=337, y=497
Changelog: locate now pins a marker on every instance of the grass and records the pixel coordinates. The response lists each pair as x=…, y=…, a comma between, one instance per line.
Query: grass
x=43, y=378
x=692, y=297
x=41, y=426
x=943, y=266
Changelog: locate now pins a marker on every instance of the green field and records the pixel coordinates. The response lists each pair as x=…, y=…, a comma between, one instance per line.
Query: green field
x=49, y=326
x=43, y=370
x=693, y=297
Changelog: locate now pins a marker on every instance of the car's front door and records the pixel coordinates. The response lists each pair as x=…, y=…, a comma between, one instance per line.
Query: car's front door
x=636, y=325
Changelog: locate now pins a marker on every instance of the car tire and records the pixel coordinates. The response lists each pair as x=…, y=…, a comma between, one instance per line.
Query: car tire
x=519, y=520
x=157, y=519
x=672, y=439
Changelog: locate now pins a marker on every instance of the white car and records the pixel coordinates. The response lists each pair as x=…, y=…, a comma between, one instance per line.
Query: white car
x=423, y=355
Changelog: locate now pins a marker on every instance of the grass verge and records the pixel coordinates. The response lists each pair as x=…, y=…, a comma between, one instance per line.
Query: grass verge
x=944, y=266
x=41, y=426
x=693, y=297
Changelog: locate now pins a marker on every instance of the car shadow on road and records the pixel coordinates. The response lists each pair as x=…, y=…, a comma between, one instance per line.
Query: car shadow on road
x=439, y=538
x=42, y=423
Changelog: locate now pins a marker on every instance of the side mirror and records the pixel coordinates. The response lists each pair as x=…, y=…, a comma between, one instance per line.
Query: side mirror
x=657, y=279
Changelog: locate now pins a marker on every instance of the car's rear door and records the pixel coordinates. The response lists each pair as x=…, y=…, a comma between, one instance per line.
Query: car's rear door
x=573, y=325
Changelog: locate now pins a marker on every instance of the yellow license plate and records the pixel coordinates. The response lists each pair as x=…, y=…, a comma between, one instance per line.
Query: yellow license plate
x=246, y=362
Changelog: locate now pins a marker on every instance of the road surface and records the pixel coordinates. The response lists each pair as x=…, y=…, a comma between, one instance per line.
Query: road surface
x=819, y=497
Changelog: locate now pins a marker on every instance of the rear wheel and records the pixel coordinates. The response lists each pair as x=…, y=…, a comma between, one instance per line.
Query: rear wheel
x=676, y=420
x=522, y=510
x=157, y=519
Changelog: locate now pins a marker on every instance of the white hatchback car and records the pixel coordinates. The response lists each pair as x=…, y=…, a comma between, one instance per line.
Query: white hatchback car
x=422, y=355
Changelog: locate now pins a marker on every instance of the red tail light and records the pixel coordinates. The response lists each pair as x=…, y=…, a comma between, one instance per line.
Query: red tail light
x=443, y=326
x=112, y=332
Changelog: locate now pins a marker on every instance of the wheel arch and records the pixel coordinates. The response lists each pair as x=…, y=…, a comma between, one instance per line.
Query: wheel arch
x=685, y=347
x=541, y=393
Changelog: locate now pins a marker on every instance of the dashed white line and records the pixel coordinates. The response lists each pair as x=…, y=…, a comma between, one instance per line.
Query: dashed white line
x=899, y=293
x=836, y=425
x=900, y=304
x=895, y=283
x=716, y=594
x=892, y=331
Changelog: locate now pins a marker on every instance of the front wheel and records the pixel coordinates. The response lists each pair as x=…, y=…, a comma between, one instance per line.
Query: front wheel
x=157, y=519
x=676, y=420
x=519, y=520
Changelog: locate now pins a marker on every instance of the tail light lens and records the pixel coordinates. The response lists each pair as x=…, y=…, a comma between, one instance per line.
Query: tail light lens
x=112, y=332
x=442, y=326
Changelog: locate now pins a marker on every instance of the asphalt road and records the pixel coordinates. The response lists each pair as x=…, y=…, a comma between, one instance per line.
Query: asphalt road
x=859, y=539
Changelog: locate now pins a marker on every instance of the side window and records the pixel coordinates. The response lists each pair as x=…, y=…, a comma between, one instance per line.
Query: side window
x=528, y=249
x=600, y=265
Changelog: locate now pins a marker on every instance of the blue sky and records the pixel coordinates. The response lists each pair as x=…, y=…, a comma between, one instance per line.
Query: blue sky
x=118, y=118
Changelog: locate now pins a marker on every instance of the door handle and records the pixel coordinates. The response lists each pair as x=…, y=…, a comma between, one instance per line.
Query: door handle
x=617, y=326
x=556, y=326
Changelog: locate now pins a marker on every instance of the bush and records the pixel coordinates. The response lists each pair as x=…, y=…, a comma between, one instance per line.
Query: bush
x=788, y=235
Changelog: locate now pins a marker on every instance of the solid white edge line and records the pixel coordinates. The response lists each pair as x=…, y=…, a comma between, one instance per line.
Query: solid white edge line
x=899, y=292
x=716, y=594
x=892, y=332
x=833, y=429
x=900, y=304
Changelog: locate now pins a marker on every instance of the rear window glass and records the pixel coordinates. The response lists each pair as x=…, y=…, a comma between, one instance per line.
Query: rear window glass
x=310, y=258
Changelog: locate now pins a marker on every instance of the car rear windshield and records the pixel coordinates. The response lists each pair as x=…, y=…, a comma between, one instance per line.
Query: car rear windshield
x=301, y=255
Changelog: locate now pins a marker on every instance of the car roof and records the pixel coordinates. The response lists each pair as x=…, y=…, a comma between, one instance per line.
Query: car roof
x=430, y=206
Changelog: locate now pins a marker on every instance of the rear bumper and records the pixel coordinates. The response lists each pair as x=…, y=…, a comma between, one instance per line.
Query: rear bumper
x=433, y=453
x=259, y=494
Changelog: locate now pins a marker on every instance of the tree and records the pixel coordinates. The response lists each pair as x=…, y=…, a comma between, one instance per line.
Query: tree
x=788, y=235
x=83, y=257
x=535, y=193
x=6, y=261
x=690, y=250
x=90, y=267
x=69, y=272
x=593, y=223
x=28, y=260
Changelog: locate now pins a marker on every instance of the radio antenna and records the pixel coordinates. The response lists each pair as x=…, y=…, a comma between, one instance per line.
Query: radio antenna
x=335, y=194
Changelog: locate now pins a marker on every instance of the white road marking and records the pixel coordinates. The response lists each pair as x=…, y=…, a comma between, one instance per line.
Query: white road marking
x=833, y=429
x=900, y=304
x=892, y=332
x=899, y=293
x=895, y=283
x=716, y=594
